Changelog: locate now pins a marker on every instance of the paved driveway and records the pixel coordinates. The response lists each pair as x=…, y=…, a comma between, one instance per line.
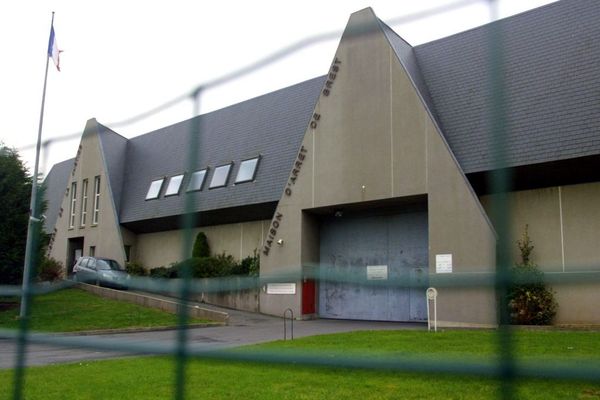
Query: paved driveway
x=244, y=328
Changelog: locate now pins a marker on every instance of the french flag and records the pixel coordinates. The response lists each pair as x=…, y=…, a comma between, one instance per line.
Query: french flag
x=53, y=51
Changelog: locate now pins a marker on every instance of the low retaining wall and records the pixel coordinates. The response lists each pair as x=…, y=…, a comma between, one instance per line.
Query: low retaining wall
x=244, y=300
x=155, y=302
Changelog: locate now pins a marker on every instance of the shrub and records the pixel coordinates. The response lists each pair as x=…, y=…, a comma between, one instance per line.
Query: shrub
x=165, y=272
x=50, y=270
x=136, y=269
x=201, y=247
x=249, y=266
x=529, y=301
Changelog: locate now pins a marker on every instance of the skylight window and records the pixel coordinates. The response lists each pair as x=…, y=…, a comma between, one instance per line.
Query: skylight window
x=154, y=189
x=174, y=185
x=197, y=180
x=247, y=170
x=220, y=176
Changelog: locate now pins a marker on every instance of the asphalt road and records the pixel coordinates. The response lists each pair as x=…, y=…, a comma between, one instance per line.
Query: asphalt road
x=244, y=328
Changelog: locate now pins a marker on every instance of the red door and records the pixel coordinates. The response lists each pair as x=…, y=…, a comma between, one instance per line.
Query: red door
x=308, y=296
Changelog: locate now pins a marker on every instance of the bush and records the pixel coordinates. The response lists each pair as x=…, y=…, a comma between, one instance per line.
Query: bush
x=201, y=247
x=136, y=269
x=249, y=266
x=171, y=272
x=529, y=301
x=50, y=270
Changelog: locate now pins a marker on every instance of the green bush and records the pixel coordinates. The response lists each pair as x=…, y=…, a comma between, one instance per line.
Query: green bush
x=201, y=247
x=171, y=272
x=136, y=269
x=50, y=270
x=529, y=301
x=249, y=266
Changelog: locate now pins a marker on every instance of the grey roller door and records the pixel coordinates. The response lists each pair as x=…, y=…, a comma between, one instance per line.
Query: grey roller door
x=393, y=244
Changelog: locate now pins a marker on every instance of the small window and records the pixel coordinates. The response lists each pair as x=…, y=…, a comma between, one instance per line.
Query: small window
x=196, y=181
x=154, y=189
x=220, y=176
x=174, y=185
x=247, y=170
x=92, y=251
x=96, y=200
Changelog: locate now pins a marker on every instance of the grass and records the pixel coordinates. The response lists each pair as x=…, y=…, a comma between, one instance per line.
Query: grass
x=153, y=377
x=73, y=310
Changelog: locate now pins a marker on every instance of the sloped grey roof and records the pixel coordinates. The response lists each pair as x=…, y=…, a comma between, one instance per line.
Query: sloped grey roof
x=552, y=82
x=114, y=147
x=408, y=59
x=55, y=186
x=272, y=126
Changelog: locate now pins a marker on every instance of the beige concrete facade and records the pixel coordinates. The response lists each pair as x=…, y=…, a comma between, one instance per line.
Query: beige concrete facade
x=164, y=248
x=372, y=139
x=563, y=222
x=104, y=235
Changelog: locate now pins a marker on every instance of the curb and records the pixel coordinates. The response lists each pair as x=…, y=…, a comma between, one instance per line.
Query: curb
x=136, y=330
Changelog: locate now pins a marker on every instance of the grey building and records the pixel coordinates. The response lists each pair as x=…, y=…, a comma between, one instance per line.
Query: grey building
x=379, y=169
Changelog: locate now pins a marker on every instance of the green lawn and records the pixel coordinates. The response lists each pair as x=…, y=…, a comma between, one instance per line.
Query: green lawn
x=152, y=378
x=74, y=310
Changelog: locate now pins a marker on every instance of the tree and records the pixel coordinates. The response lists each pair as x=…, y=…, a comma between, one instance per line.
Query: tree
x=530, y=301
x=15, y=194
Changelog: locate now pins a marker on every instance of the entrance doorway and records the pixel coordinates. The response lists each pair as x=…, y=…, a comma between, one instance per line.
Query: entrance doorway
x=388, y=248
x=74, y=251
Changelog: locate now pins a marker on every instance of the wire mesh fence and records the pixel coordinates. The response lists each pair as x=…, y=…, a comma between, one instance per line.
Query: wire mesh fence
x=506, y=367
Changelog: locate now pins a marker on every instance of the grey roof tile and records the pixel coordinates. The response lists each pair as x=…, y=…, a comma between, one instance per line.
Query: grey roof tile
x=272, y=126
x=551, y=62
x=56, y=182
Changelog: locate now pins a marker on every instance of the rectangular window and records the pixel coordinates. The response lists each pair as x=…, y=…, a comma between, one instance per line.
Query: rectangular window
x=220, y=176
x=84, y=201
x=247, y=170
x=174, y=185
x=92, y=251
x=196, y=181
x=96, y=200
x=73, y=204
x=154, y=189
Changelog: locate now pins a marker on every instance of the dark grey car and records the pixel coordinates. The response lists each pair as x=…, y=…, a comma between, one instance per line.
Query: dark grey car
x=101, y=271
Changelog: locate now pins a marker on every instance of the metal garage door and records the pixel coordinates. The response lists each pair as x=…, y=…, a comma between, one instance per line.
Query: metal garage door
x=369, y=247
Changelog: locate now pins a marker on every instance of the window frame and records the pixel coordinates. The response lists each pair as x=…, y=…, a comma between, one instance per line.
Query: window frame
x=226, y=180
x=206, y=171
x=253, y=177
x=84, y=201
x=167, y=194
x=96, y=213
x=73, y=205
x=162, y=182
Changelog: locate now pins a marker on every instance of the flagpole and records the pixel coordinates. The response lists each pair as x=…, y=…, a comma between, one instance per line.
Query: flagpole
x=33, y=204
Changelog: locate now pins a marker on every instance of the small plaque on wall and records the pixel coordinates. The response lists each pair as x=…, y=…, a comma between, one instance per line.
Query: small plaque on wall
x=377, y=272
x=443, y=263
x=281, y=288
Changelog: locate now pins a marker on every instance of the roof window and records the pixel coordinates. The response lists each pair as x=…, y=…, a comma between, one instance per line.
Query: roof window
x=196, y=181
x=154, y=189
x=220, y=176
x=174, y=185
x=247, y=170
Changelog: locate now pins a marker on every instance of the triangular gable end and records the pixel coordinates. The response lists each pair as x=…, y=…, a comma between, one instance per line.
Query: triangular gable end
x=372, y=139
x=89, y=222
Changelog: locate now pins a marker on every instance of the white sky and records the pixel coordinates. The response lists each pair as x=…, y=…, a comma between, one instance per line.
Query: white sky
x=123, y=57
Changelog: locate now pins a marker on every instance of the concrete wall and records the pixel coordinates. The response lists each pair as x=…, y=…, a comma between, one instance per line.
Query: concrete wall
x=106, y=234
x=564, y=226
x=372, y=139
x=164, y=248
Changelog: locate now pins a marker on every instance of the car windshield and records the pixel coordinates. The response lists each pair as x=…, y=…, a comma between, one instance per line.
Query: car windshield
x=109, y=264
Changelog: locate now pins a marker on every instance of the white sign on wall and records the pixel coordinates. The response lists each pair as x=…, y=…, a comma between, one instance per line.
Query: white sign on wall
x=443, y=263
x=377, y=272
x=281, y=288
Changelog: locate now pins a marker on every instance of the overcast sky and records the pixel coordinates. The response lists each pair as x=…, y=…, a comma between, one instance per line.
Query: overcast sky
x=121, y=57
